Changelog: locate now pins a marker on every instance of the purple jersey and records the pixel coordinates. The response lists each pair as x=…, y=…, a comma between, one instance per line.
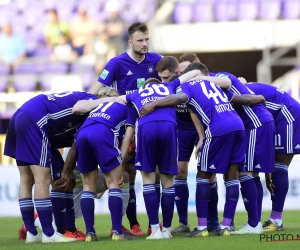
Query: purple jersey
x=212, y=107
x=53, y=112
x=126, y=75
x=113, y=115
x=150, y=93
x=256, y=115
x=281, y=105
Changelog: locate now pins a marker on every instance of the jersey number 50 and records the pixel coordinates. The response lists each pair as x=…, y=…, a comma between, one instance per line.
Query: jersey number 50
x=157, y=88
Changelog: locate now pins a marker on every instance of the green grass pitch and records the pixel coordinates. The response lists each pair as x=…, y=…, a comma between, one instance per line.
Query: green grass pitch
x=9, y=237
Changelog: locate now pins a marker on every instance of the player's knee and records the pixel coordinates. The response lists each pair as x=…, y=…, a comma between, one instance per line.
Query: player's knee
x=27, y=180
x=182, y=170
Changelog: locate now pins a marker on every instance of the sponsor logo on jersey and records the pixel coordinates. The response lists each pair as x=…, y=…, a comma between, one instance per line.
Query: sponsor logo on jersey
x=104, y=74
x=140, y=82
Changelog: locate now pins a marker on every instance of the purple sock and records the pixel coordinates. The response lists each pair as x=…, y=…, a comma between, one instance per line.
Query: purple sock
x=44, y=210
x=131, y=208
x=70, y=213
x=260, y=195
x=88, y=210
x=59, y=209
x=115, y=205
x=213, y=203
x=167, y=205
x=276, y=215
x=202, y=196
x=281, y=183
x=157, y=189
x=27, y=212
x=151, y=203
x=249, y=193
x=181, y=199
x=232, y=197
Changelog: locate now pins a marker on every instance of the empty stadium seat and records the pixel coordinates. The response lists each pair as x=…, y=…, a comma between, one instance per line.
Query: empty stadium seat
x=290, y=9
x=24, y=82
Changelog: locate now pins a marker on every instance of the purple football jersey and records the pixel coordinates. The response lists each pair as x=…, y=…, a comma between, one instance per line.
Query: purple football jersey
x=114, y=115
x=256, y=115
x=280, y=104
x=53, y=112
x=126, y=75
x=212, y=107
x=150, y=93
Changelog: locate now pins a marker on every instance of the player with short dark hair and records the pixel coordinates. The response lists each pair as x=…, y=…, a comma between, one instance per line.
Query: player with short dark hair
x=167, y=67
x=126, y=73
x=185, y=59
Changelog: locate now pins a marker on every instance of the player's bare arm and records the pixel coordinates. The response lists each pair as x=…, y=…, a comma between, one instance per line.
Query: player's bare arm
x=248, y=99
x=85, y=106
x=222, y=82
x=200, y=131
x=67, y=173
x=127, y=141
x=170, y=100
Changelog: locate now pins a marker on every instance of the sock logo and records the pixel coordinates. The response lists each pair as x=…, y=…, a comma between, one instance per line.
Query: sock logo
x=131, y=201
x=245, y=200
x=63, y=211
x=177, y=198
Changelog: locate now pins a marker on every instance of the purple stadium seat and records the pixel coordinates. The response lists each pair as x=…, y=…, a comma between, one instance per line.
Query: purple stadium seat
x=24, y=82
x=82, y=68
x=3, y=83
x=291, y=9
x=45, y=82
x=87, y=79
x=247, y=10
x=269, y=9
x=225, y=10
x=56, y=67
x=28, y=68
x=4, y=69
x=182, y=13
x=203, y=11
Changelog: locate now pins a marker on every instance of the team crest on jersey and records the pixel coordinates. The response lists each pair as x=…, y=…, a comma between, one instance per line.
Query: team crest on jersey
x=104, y=74
x=150, y=69
x=140, y=82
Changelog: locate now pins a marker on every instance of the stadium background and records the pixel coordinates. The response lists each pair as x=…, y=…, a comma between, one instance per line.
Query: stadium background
x=255, y=39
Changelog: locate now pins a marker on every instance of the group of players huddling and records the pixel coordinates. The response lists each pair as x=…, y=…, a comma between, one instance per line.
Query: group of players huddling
x=169, y=107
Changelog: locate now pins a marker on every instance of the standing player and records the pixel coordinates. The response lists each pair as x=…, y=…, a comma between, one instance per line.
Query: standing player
x=28, y=141
x=97, y=143
x=126, y=73
x=224, y=132
x=286, y=113
x=162, y=134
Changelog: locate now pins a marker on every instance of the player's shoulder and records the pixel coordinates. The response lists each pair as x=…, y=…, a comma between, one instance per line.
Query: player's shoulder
x=154, y=56
x=223, y=74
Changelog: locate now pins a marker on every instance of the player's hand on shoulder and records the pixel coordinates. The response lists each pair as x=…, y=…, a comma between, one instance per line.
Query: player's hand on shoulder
x=146, y=109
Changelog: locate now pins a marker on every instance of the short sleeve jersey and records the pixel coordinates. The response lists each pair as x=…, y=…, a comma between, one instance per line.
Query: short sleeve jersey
x=212, y=107
x=280, y=104
x=126, y=75
x=52, y=113
x=114, y=115
x=150, y=93
x=257, y=114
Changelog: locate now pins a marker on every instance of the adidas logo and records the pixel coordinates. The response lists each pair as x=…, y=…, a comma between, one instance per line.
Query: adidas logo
x=129, y=73
x=212, y=167
x=297, y=146
x=245, y=200
x=63, y=211
x=131, y=201
x=257, y=166
x=177, y=198
x=138, y=164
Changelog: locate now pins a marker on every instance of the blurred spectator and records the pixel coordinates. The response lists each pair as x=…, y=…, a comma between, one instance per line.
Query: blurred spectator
x=12, y=46
x=82, y=30
x=54, y=27
x=41, y=49
x=63, y=51
x=100, y=52
x=114, y=25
